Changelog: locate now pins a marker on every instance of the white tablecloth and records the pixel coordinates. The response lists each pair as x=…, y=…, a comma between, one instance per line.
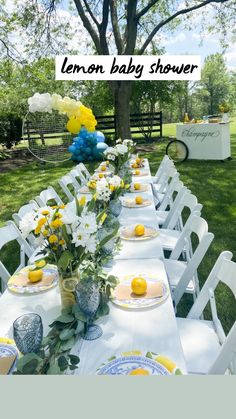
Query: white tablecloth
x=153, y=329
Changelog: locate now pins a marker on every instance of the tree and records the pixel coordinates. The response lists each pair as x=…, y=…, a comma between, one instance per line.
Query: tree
x=127, y=27
x=214, y=84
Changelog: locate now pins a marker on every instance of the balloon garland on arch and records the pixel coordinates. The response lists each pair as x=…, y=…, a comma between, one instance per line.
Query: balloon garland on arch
x=88, y=144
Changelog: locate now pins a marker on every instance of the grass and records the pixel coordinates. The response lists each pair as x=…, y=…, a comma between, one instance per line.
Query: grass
x=211, y=181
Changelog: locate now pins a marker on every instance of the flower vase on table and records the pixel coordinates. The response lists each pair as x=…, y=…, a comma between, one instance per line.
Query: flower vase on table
x=87, y=294
x=67, y=284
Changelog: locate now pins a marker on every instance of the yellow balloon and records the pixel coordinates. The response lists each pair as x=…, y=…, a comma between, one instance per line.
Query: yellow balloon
x=73, y=125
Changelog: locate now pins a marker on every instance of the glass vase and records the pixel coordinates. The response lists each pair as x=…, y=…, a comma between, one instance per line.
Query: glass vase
x=67, y=284
x=88, y=298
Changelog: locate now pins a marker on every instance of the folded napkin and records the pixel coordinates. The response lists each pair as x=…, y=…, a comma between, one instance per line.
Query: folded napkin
x=21, y=280
x=6, y=364
x=124, y=292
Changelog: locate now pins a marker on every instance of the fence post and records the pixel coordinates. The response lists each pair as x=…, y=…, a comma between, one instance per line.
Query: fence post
x=160, y=124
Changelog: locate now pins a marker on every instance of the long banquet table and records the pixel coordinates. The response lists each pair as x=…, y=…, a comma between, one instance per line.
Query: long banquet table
x=151, y=329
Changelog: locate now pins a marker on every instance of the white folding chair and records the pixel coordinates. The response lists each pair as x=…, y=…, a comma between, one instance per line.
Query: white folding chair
x=162, y=201
x=168, y=237
x=48, y=195
x=17, y=217
x=78, y=178
x=8, y=233
x=161, y=187
x=174, y=201
x=164, y=165
x=69, y=180
x=206, y=348
x=174, y=216
x=83, y=171
x=182, y=275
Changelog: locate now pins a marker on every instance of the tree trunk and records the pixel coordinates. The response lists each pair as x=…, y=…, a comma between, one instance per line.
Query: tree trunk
x=121, y=91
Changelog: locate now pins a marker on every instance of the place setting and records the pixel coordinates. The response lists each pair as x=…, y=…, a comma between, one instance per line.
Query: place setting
x=138, y=232
x=139, y=291
x=137, y=187
x=138, y=363
x=36, y=278
x=137, y=202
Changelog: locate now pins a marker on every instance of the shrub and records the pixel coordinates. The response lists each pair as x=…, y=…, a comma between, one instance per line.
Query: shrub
x=10, y=130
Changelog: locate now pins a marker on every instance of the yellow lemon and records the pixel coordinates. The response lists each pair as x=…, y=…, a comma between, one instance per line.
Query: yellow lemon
x=100, y=175
x=134, y=165
x=35, y=276
x=139, y=371
x=139, y=230
x=103, y=168
x=167, y=363
x=40, y=263
x=139, y=285
x=137, y=186
x=137, y=172
x=138, y=200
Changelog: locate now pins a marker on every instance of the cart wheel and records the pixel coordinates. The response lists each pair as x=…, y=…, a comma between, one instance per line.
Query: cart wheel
x=177, y=151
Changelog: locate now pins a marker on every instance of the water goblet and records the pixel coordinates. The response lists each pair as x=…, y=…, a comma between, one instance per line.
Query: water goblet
x=28, y=333
x=88, y=299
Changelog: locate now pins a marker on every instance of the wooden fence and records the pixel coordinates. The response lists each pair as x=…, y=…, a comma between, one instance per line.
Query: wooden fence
x=141, y=123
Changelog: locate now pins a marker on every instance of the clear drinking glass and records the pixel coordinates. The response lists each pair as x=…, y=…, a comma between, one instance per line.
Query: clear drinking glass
x=28, y=333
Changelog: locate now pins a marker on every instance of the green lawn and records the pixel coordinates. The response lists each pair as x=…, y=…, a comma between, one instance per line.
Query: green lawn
x=212, y=183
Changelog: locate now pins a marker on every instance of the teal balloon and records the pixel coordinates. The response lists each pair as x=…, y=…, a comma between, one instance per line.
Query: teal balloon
x=100, y=137
x=98, y=150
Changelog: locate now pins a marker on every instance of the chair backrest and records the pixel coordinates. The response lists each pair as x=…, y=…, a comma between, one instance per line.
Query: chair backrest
x=8, y=233
x=224, y=271
x=164, y=165
x=17, y=217
x=68, y=180
x=166, y=177
x=31, y=206
x=199, y=226
x=168, y=196
x=83, y=172
x=78, y=177
x=183, y=200
x=47, y=195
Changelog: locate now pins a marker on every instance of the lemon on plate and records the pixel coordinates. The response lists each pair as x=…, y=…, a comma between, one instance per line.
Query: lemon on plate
x=137, y=172
x=139, y=371
x=139, y=285
x=138, y=200
x=103, y=168
x=137, y=186
x=166, y=362
x=134, y=165
x=35, y=276
x=100, y=175
x=139, y=230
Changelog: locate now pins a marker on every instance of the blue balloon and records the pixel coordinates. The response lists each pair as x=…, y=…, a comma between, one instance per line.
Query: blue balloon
x=100, y=137
x=99, y=149
x=72, y=148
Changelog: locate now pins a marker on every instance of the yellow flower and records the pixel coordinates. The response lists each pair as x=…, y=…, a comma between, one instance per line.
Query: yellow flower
x=41, y=222
x=56, y=223
x=82, y=201
x=37, y=230
x=112, y=188
x=45, y=212
x=62, y=206
x=40, y=263
x=54, y=206
x=122, y=183
x=61, y=242
x=92, y=184
x=45, y=233
x=127, y=186
x=59, y=215
x=53, y=238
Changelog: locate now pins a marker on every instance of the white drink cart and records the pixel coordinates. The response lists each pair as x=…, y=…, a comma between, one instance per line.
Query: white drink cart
x=205, y=141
